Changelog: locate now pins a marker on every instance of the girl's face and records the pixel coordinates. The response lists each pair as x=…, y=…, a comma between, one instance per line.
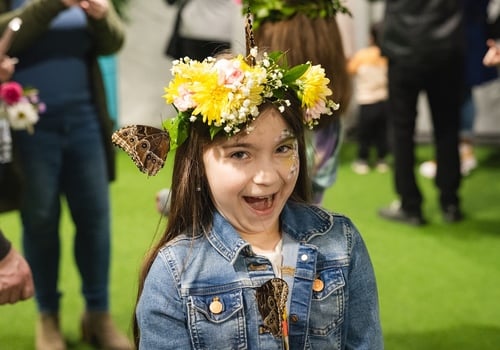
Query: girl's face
x=251, y=175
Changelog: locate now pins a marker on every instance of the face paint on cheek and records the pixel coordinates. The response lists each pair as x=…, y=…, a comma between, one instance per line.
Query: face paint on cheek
x=293, y=161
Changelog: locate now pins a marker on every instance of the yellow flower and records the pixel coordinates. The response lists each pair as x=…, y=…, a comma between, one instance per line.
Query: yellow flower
x=313, y=86
x=211, y=99
x=185, y=73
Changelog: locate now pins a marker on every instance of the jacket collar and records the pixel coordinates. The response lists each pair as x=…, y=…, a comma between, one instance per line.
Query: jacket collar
x=300, y=221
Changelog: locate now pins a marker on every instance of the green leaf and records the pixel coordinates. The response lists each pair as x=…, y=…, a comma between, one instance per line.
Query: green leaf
x=295, y=73
x=178, y=129
x=277, y=56
x=214, y=131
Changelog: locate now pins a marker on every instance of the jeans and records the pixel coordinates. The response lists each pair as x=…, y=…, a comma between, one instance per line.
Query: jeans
x=65, y=156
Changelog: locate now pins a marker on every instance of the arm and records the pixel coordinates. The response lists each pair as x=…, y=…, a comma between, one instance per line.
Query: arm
x=160, y=311
x=36, y=16
x=16, y=282
x=353, y=64
x=363, y=321
x=105, y=26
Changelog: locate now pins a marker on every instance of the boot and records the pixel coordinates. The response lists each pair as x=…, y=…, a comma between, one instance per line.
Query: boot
x=99, y=330
x=48, y=334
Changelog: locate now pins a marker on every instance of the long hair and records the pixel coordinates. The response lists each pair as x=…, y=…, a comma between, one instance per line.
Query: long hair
x=317, y=40
x=192, y=208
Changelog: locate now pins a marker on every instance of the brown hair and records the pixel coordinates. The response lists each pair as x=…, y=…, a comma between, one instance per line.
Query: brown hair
x=192, y=209
x=317, y=40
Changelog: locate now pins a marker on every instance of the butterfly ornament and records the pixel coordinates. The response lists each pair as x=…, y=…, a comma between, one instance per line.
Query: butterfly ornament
x=271, y=301
x=147, y=146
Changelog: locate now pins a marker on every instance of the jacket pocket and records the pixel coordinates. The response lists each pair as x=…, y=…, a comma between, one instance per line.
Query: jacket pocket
x=216, y=321
x=328, y=303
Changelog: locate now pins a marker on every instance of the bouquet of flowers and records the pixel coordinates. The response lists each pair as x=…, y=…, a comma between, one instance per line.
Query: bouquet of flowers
x=21, y=106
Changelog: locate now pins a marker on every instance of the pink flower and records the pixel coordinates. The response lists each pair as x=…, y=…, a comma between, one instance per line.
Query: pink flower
x=184, y=101
x=229, y=72
x=316, y=111
x=11, y=92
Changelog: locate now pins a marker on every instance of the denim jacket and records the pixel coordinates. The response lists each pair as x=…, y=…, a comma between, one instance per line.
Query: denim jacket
x=190, y=274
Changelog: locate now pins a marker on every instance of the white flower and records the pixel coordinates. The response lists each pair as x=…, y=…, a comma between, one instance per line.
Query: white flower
x=254, y=52
x=22, y=115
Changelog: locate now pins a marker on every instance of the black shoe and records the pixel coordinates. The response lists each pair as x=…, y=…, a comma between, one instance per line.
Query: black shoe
x=452, y=213
x=396, y=213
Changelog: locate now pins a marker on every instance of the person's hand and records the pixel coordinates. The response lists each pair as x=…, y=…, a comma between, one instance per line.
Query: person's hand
x=96, y=9
x=16, y=281
x=492, y=56
x=7, y=68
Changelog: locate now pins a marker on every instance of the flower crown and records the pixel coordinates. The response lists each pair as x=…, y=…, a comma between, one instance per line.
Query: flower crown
x=278, y=10
x=225, y=93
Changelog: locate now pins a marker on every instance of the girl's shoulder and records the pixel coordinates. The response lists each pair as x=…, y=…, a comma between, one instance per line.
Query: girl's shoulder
x=306, y=220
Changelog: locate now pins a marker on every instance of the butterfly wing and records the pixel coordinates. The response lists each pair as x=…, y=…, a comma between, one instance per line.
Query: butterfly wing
x=147, y=146
x=271, y=301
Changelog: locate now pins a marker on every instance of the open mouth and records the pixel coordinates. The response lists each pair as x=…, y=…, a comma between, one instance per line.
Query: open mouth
x=260, y=203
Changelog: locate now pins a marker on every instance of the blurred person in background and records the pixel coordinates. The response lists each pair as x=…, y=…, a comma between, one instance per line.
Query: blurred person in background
x=370, y=71
x=69, y=153
x=16, y=280
x=424, y=44
x=477, y=31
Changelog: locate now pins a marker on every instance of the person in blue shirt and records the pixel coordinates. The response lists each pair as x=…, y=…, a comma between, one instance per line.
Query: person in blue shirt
x=69, y=154
x=246, y=261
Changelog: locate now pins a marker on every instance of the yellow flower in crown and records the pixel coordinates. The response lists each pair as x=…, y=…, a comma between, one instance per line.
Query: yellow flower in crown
x=313, y=92
x=224, y=97
x=225, y=93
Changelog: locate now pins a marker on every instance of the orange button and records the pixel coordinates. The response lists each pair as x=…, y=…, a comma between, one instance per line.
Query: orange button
x=216, y=306
x=318, y=285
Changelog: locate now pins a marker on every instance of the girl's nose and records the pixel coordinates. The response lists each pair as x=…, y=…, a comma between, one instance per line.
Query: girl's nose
x=266, y=174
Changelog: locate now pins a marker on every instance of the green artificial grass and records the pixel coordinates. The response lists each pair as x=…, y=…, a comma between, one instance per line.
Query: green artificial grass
x=439, y=285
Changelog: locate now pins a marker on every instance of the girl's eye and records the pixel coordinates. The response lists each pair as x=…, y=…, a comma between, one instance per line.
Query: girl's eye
x=285, y=148
x=239, y=155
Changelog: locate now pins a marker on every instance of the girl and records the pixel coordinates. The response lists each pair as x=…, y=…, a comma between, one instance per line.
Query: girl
x=246, y=262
